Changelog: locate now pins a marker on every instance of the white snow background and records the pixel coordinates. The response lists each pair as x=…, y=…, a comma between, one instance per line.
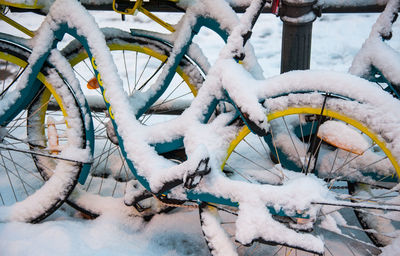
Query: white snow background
x=336, y=39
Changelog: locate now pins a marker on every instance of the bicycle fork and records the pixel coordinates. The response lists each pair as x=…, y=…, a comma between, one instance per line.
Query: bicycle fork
x=315, y=145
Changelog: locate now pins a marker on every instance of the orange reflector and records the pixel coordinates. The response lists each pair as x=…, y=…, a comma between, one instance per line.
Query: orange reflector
x=302, y=221
x=52, y=136
x=343, y=136
x=342, y=146
x=92, y=84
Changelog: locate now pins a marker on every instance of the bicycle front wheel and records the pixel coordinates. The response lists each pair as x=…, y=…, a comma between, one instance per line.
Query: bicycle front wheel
x=336, y=139
x=37, y=169
x=139, y=61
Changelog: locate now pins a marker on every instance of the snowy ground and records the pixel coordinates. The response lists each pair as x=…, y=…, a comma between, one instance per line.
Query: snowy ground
x=336, y=39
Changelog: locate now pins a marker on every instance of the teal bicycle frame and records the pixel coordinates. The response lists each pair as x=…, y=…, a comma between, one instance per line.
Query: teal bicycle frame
x=168, y=73
x=29, y=92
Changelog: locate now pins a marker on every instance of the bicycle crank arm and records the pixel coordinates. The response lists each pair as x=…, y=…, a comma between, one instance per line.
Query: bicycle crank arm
x=45, y=155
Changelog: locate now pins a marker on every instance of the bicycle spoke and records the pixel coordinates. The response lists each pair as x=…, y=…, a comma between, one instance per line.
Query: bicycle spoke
x=239, y=173
x=165, y=100
x=9, y=179
x=153, y=75
x=357, y=156
x=126, y=71
x=251, y=161
x=94, y=167
x=294, y=146
x=136, y=57
x=119, y=173
x=255, y=150
x=22, y=181
x=80, y=75
x=89, y=67
x=144, y=69
x=16, y=170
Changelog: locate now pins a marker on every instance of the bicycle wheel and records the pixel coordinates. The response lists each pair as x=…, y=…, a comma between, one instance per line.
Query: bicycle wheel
x=369, y=158
x=36, y=141
x=139, y=61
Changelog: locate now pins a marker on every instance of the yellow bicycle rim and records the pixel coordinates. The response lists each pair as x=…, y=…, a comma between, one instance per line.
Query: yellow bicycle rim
x=317, y=111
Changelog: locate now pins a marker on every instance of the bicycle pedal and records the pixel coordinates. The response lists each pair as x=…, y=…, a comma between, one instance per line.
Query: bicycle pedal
x=192, y=180
x=135, y=193
x=138, y=202
x=139, y=207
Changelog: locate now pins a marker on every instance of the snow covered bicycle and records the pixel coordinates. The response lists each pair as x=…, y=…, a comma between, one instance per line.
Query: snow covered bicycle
x=30, y=149
x=140, y=57
x=378, y=62
x=291, y=148
x=322, y=104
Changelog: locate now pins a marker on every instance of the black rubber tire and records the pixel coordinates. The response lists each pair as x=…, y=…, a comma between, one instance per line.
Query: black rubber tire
x=24, y=172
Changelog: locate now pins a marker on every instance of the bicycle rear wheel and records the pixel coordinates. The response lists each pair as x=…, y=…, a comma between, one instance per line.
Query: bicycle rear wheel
x=294, y=121
x=34, y=139
x=139, y=61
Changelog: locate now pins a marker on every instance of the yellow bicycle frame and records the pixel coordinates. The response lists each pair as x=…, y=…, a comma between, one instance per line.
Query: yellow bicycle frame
x=138, y=6
x=14, y=23
x=22, y=5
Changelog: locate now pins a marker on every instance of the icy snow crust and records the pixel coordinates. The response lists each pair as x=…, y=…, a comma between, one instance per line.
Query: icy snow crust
x=211, y=140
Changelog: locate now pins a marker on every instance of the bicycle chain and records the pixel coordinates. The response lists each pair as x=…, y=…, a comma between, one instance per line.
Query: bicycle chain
x=194, y=206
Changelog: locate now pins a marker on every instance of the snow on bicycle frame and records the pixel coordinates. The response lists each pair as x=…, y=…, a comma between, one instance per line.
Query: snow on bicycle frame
x=76, y=22
x=376, y=60
x=205, y=144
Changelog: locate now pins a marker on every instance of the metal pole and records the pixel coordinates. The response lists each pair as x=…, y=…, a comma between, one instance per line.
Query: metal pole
x=297, y=17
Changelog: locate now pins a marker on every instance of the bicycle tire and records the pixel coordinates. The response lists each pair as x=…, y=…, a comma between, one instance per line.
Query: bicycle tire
x=105, y=181
x=370, y=221
x=28, y=193
x=256, y=166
